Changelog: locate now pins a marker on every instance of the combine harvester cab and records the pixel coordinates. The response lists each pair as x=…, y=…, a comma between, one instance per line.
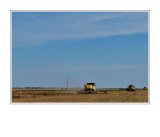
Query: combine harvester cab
x=90, y=88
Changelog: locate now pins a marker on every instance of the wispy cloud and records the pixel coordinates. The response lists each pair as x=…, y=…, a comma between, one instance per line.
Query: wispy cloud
x=73, y=68
x=31, y=29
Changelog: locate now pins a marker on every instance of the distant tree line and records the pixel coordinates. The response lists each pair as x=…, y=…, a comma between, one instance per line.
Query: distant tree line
x=35, y=87
x=28, y=87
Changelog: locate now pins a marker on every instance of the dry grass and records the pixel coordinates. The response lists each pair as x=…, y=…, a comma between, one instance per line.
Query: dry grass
x=76, y=95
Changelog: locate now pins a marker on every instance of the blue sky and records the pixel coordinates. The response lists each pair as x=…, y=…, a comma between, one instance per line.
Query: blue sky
x=108, y=48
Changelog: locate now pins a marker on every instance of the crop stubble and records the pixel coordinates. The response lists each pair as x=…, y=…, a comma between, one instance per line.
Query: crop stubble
x=77, y=95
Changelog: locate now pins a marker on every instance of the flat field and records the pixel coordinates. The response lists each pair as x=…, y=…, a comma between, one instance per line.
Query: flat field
x=77, y=95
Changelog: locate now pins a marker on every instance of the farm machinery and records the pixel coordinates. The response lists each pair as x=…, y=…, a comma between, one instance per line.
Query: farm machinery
x=90, y=88
x=144, y=88
x=131, y=88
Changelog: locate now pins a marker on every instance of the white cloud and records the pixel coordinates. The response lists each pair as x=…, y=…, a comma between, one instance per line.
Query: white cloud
x=36, y=31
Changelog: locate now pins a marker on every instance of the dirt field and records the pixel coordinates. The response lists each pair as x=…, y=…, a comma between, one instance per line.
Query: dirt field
x=77, y=95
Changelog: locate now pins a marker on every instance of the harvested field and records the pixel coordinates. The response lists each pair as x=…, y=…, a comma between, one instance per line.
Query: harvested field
x=77, y=95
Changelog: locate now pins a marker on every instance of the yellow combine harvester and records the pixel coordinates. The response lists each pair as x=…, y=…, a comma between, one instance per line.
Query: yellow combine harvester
x=144, y=88
x=131, y=88
x=90, y=88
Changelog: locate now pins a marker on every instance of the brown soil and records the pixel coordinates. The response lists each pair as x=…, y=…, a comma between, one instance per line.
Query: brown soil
x=77, y=95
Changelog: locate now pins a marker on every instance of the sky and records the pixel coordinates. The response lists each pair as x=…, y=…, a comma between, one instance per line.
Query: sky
x=108, y=48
